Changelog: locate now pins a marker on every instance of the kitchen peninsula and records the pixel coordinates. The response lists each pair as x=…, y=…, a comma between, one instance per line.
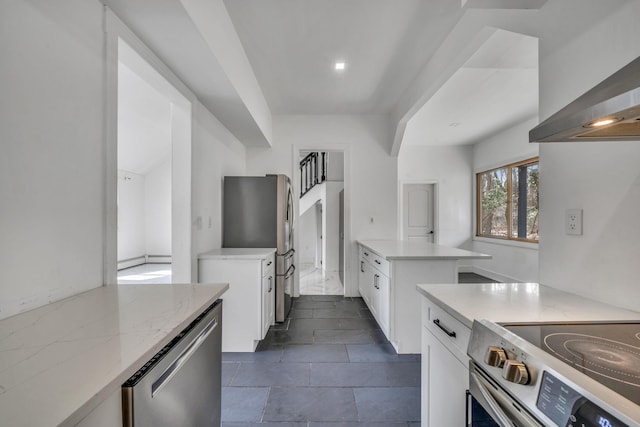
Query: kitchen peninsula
x=447, y=317
x=389, y=270
x=64, y=363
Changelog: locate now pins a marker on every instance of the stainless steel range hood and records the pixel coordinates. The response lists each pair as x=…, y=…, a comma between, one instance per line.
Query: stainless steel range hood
x=608, y=112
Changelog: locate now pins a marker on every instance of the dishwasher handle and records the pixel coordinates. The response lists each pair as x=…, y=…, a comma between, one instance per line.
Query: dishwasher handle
x=183, y=357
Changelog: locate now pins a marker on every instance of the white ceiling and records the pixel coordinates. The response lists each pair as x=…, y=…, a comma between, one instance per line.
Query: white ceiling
x=496, y=88
x=144, y=123
x=293, y=45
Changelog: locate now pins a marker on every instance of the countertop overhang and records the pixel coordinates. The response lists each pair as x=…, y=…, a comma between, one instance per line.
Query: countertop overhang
x=60, y=361
x=412, y=250
x=519, y=302
x=237, y=253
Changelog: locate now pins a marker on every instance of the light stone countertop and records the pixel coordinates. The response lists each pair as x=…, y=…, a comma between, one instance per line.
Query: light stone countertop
x=518, y=302
x=58, y=362
x=411, y=250
x=238, y=253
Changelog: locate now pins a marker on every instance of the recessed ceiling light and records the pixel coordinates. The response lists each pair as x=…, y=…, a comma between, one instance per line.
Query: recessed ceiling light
x=340, y=66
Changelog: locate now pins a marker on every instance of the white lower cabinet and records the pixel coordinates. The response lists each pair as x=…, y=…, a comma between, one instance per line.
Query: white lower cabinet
x=374, y=287
x=445, y=371
x=249, y=304
x=380, y=300
x=268, y=302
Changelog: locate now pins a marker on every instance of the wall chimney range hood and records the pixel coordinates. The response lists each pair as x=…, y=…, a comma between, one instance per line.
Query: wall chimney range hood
x=608, y=112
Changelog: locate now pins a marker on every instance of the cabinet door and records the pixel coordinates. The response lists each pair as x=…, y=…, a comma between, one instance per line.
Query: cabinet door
x=365, y=280
x=445, y=381
x=383, y=306
x=268, y=303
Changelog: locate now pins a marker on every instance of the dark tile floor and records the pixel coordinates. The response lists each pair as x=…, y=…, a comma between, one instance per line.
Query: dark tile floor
x=328, y=365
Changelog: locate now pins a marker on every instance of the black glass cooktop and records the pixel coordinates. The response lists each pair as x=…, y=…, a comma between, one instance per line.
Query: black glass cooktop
x=607, y=352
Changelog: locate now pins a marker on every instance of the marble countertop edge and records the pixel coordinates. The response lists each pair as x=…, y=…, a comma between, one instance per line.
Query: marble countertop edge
x=66, y=357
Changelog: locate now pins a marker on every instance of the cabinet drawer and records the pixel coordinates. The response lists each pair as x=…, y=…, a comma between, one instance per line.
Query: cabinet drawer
x=268, y=266
x=377, y=261
x=444, y=326
x=380, y=263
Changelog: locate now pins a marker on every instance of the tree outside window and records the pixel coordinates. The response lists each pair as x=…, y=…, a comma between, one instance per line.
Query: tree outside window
x=508, y=202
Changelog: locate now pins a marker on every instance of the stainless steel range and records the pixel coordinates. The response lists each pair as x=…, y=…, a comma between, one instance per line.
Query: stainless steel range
x=557, y=374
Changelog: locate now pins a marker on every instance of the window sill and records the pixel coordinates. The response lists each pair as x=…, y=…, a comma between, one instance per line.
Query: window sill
x=505, y=242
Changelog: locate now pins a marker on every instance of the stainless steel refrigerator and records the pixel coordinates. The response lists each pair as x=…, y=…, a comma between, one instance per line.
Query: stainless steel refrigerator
x=258, y=213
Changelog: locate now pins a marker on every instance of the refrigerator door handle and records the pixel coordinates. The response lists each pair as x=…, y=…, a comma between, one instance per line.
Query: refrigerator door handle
x=290, y=272
x=289, y=253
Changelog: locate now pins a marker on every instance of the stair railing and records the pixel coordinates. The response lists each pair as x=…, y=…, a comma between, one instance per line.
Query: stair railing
x=313, y=171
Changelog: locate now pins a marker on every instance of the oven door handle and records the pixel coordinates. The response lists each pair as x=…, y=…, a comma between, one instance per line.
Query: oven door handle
x=491, y=406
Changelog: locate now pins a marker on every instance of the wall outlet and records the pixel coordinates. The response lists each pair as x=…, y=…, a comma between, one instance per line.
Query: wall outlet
x=573, y=222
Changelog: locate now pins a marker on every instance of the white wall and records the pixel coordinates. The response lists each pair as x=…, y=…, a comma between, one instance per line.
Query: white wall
x=603, y=178
x=131, y=215
x=307, y=228
x=157, y=209
x=144, y=212
x=512, y=261
x=216, y=153
x=451, y=169
x=335, y=166
x=51, y=167
x=369, y=170
x=331, y=226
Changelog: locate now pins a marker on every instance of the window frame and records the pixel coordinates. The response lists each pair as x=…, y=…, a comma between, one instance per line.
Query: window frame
x=509, y=167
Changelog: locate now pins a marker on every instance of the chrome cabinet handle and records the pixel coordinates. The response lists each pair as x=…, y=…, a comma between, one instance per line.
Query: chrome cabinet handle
x=376, y=261
x=365, y=253
x=445, y=330
x=270, y=283
x=361, y=266
x=375, y=281
x=269, y=263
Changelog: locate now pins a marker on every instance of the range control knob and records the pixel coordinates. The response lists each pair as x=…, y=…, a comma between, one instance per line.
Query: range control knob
x=515, y=372
x=495, y=356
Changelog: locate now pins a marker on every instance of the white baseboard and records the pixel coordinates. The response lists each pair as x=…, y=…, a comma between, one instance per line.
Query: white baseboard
x=131, y=262
x=144, y=259
x=158, y=259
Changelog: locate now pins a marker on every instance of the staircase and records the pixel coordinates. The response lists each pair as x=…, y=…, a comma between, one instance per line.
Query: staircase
x=313, y=171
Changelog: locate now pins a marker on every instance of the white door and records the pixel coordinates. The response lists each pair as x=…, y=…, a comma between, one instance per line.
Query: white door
x=417, y=212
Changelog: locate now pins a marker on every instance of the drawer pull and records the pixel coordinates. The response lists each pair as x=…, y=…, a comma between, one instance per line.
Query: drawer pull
x=445, y=330
x=376, y=261
x=361, y=266
x=269, y=263
x=365, y=253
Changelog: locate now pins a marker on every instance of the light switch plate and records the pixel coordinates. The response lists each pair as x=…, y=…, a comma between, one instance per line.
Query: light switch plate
x=573, y=222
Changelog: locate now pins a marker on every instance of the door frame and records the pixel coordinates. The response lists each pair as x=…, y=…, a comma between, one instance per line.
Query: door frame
x=350, y=285
x=184, y=101
x=435, y=183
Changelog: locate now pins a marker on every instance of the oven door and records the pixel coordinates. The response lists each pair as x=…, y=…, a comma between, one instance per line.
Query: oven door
x=501, y=408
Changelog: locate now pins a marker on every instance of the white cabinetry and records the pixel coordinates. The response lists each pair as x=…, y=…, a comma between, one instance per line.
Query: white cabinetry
x=268, y=299
x=445, y=372
x=373, y=283
x=249, y=304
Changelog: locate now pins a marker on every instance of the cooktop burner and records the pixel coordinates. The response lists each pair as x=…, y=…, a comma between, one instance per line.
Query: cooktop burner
x=607, y=352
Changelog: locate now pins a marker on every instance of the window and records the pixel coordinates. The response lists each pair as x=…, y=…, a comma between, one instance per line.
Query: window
x=508, y=202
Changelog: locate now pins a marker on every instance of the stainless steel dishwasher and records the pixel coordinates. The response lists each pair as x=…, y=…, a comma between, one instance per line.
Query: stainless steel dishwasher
x=181, y=384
